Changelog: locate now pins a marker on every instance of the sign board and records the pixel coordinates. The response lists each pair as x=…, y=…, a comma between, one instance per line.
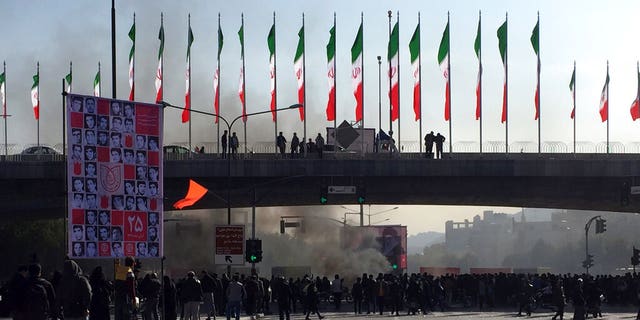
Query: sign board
x=635, y=190
x=229, y=245
x=341, y=189
x=114, y=174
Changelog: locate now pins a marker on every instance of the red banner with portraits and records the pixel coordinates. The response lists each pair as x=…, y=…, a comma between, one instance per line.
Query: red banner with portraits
x=114, y=177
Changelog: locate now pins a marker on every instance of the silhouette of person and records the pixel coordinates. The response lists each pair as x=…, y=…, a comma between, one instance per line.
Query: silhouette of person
x=439, y=140
x=223, y=143
x=428, y=144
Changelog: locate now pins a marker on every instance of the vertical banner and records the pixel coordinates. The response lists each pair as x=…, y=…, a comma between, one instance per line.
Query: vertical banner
x=115, y=178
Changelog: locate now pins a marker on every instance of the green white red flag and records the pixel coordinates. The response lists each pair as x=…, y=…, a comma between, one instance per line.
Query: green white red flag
x=298, y=62
x=477, y=47
x=68, y=79
x=394, y=72
x=356, y=72
x=132, y=54
x=414, y=50
x=502, y=46
x=331, y=74
x=635, y=106
x=535, y=43
x=604, y=99
x=96, y=83
x=35, y=95
x=241, y=85
x=572, y=87
x=159, y=72
x=216, y=76
x=443, y=60
x=271, y=42
x=186, y=113
x=3, y=93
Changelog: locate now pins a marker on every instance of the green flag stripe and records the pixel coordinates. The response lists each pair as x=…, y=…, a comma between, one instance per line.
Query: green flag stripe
x=241, y=37
x=190, y=41
x=161, y=38
x=477, y=43
x=300, y=49
x=443, y=51
x=331, y=46
x=271, y=40
x=535, y=37
x=220, y=40
x=502, y=40
x=414, y=44
x=356, y=49
x=96, y=80
x=132, y=36
x=36, y=81
x=573, y=80
x=2, y=78
x=394, y=40
x=68, y=78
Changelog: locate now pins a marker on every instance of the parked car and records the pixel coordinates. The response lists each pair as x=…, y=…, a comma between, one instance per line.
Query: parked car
x=175, y=149
x=39, y=150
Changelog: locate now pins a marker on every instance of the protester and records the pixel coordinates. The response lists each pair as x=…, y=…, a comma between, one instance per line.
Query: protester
x=101, y=291
x=191, y=293
x=75, y=292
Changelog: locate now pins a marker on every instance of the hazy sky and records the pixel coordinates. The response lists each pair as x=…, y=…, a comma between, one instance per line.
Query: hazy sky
x=55, y=32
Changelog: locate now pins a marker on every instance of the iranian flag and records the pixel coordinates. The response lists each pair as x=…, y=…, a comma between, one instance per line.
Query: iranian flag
x=298, y=62
x=572, y=87
x=331, y=74
x=414, y=50
x=3, y=93
x=35, y=95
x=186, y=113
x=604, y=99
x=394, y=71
x=132, y=54
x=443, y=60
x=356, y=72
x=477, y=46
x=271, y=42
x=216, y=76
x=159, y=72
x=502, y=46
x=535, y=43
x=241, y=85
x=96, y=84
x=635, y=106
x=68, y=78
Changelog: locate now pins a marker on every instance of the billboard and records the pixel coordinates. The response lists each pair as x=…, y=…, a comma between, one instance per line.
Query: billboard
x=114, y=178
x=390, y=241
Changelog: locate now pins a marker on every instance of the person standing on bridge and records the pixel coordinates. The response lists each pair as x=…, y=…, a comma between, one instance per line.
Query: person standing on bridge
x=223, y=143
x=295, y=142
x=233, y=145
x=428, y=144
x=439, y=140
x=319, y=144
x=281, y=143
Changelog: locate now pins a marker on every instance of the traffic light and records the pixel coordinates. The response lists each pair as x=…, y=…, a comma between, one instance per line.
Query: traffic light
x=601, y=226
x=253, y=252
x=588, y=263
x=635, y=259
x=323, y=195
x=362, y=192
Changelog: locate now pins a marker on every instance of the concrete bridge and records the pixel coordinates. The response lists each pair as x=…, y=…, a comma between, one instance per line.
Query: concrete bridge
x=34, y=187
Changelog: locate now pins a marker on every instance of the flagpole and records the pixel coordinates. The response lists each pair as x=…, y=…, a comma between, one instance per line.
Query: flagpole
x=244, y=100
x=132, y=72
x=480, y=73
x=608, y=102
x=113, y=49
x=420, y=88
x=574, y=108
x=99, y=83
x=335, y=87
x=304, y=87
x=38, y=104
x=506, y=83
x=538, y=90
x=398, y=71
x=217, y=96
x=362, y=92
x=64, y=119
x=189, y=67
x=4, y=108
x=275, y=80
x=389, y=76
x=71, y=76
x=449, y=85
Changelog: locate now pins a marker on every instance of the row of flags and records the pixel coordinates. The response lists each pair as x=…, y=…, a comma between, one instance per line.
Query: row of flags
x=357, y=71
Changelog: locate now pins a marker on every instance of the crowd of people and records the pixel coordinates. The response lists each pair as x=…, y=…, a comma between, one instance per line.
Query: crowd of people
x=72, y=295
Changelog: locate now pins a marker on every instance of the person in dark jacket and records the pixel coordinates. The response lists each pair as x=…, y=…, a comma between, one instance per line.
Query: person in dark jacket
x=283, y=292
x=191, y=293
x=578, y=301
x=169, y=299
x=356, y=294
x=558, y=297
x=16, y=292
x=312, y=301
x=34, y=306
x=252, y=288
x=101, y=291
x=151, y=294
x=75, y=292
x=208, y=289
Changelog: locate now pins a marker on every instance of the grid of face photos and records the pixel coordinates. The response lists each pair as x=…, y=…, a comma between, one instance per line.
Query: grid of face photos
x=114, y=177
